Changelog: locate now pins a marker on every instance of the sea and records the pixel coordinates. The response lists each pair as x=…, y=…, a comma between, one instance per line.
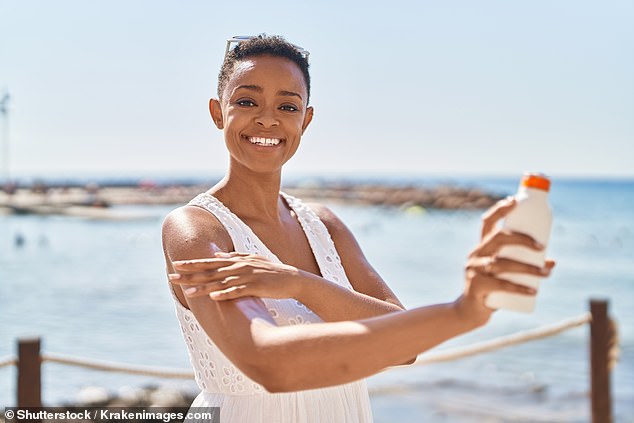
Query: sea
x=97, y=289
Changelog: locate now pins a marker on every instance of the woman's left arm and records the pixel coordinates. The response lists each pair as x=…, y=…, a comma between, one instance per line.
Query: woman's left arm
x=332, y=302
x=234, y=275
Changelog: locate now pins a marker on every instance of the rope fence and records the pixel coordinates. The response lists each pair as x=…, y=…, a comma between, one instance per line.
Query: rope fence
x=517, y=338
x=448, y=354
x=8, y=361
x=108, y=366
x=603, y=356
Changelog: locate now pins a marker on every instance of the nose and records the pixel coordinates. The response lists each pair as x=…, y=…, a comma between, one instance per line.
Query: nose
x=267, y=119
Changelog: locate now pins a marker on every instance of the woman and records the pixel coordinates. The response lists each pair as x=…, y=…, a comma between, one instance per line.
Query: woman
x=282, y=314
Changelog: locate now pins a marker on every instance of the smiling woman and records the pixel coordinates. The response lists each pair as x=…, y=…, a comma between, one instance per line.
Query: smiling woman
x=282, y=314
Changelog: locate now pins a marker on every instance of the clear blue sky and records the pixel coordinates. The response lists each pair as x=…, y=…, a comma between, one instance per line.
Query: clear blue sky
x=424, y=87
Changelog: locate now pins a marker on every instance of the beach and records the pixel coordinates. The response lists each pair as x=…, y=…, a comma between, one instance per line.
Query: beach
x=96, y=288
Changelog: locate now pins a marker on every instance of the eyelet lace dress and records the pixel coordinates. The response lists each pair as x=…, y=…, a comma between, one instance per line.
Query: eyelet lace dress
x=223, y=385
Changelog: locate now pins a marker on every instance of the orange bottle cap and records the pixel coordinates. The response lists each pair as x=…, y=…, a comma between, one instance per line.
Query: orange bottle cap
x=536, y=180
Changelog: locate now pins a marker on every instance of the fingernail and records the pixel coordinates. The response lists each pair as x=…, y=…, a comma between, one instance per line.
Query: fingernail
x=544, y=271
x=215, y=295
x=190, y=291
x=174, y=276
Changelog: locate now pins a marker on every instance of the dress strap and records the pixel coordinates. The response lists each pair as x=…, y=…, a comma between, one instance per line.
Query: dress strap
x=320, y=241
x=243, y=238
x=246, y=241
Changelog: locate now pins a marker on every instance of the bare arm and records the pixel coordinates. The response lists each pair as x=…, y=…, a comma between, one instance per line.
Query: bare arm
x=309, y=356
x=326, y=354
x=297, y=357
x=371, y=295
x=237, y=275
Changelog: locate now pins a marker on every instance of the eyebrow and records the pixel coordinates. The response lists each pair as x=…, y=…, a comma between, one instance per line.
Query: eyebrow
x=259, y=89
x=289, y=94
x=250, y=87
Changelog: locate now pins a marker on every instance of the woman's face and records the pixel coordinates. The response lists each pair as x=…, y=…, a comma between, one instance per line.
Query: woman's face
x=263, y=112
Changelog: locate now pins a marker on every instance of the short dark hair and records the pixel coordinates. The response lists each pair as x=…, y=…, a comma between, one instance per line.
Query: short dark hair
x=273, y=45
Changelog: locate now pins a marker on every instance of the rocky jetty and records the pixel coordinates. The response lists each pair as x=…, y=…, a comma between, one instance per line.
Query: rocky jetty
x=93, y=201
x=441, y=197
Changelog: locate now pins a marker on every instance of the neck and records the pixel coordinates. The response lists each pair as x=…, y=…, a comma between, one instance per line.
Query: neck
x=250, y=194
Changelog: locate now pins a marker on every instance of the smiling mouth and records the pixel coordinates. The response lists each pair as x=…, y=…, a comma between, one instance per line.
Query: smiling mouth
x=267, y=142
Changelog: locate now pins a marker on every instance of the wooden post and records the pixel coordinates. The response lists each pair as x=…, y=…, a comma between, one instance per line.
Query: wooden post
x=600, y=373
x=29, y=373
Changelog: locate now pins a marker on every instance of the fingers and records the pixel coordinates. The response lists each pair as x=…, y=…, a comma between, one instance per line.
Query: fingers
x=222, y=270
x=230, y=293
x=496, y=240
x=210, y=276
x=494, y=265
x=201, y=277
x=198, y=265
x=191, y=288
x=231, y=254
x=483, y=284
x=491, y=217
x=220, y=259
x=483, y=276
x=209, y=288
x=204, y=265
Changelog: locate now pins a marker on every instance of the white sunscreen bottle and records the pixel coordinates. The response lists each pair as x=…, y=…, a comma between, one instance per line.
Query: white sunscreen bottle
x=532, y=216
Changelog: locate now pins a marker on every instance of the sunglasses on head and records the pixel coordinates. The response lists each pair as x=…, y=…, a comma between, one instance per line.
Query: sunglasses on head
x=233, y=42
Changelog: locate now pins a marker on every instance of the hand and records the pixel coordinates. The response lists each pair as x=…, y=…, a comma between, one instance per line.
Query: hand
x=233, y=275
x=483, y=265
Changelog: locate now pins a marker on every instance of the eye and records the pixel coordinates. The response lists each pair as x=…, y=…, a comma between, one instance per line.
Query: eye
x=289, y=107
x=245, y=102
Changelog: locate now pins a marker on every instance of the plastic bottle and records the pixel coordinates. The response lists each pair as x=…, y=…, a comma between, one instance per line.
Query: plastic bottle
x=532, y=215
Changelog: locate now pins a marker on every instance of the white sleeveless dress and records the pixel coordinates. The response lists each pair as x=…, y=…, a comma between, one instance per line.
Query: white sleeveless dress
x=223, y=385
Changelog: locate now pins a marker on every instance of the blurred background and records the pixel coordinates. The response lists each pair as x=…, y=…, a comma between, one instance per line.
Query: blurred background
x=467, y=94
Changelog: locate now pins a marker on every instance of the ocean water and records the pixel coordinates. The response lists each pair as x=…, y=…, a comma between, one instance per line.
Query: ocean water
x=97, y=289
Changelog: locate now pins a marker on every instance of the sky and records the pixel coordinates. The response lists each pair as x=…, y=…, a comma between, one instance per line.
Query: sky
x=401, y=87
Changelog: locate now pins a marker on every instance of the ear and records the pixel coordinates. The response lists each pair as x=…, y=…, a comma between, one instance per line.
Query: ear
x=216, y=113
x=308, y=117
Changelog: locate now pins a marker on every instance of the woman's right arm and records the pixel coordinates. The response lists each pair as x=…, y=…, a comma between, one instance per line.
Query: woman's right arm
x=292, y=358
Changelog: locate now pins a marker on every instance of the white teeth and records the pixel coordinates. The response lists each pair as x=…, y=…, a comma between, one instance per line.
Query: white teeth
x=264, y=141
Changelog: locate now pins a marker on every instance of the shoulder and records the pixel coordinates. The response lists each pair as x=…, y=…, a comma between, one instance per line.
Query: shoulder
x=328, y=218
x=190, y=229
x=190, y=221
